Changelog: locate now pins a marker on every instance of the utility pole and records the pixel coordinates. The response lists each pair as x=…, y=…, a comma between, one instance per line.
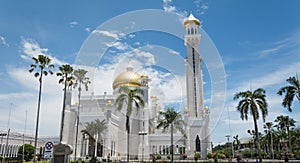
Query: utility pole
x=7, y=136
x=23, y=150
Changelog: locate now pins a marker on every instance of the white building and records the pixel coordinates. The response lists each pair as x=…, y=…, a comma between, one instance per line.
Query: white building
x=145, y=138
x=9, y=145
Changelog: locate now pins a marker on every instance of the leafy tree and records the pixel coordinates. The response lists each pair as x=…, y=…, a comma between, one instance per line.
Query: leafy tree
x=28, y=151
x=129, y=97
x=92, y=129
x=171, y=119
x=284, y=123
x=290, y=91
x=66, y=74
x=42, y=65
x=80, y=79
x=295, y=139
x=251, y=103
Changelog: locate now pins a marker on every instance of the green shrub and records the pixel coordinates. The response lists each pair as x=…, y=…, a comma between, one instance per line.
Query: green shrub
x=197, y=155
x=209, y=155
x=221, y=155
x=158, y=156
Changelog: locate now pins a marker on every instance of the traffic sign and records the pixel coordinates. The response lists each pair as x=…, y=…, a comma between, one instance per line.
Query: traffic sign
x=49, y=145
x=48, y=154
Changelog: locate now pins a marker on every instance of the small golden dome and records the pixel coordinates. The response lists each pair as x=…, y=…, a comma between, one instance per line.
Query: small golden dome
x=145, y=76
x=191, y=20
x=127, y=78
x=153, y=97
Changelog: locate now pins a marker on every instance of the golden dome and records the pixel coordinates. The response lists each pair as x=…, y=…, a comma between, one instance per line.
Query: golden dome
x=145, y=76
x=127, y=78
x=191, y=20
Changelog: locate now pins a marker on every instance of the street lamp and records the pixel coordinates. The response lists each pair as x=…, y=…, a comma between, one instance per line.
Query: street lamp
x=143, y=133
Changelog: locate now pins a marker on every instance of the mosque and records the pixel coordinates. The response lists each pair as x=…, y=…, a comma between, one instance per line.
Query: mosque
x=145, y=138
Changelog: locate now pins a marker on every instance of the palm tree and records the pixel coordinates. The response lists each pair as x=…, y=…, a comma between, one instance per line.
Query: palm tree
x=66, y=74
x=269, y=136
x=129, y=97
x=284, y=123
x=249, y=104
x=295, y=138
x=93, y=128
x=43, y=65
x=290, y=92
x=237, y=142
x=171, y=119
x=80, y=79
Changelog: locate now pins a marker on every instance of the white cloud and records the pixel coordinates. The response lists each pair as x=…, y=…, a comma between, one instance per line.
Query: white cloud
x=169, y=7
x=173, y=52
x=74, y=23
x=30, y=48
x=147, y=56
x=286, y=44
x=118, y=45
x=202, y=6
x=3, y=41
x=114, y=34
x=131, y=35
x=87, y=29
x=10, y=96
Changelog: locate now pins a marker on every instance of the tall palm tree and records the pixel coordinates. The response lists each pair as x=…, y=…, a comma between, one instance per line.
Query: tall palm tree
x=171, y=119
x=94, y=128
x=284, y=123
x=269, y=136
x=251, y=103
x=290, y=92
x=129, y=97
x=42, y=65
x=80, y=79
x=66, y=74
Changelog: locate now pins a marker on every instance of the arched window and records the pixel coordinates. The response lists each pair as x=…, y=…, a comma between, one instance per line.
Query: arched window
x=198, y=144
x=192, y=32
x=188, y=31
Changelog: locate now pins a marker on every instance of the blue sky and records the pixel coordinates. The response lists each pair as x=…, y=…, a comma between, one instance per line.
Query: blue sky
x=258, y=42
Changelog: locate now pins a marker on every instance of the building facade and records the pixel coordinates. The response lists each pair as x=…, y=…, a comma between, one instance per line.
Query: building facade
x=145, y=138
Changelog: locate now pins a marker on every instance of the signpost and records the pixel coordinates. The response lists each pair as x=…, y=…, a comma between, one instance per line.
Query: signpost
x=48, y=150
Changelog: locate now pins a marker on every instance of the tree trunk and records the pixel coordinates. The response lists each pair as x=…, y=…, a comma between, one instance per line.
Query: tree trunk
x=63, y=111
x=127, y=128
x=172, y=149
x=257, y=139
x=38, y=115
x=289, y=140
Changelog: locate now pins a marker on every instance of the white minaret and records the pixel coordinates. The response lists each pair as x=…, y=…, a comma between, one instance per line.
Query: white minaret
x=193, y=65
x=195, y=116
x=144, y=120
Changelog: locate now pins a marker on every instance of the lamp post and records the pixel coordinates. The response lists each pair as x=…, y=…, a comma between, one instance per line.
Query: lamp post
x=143, y=133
